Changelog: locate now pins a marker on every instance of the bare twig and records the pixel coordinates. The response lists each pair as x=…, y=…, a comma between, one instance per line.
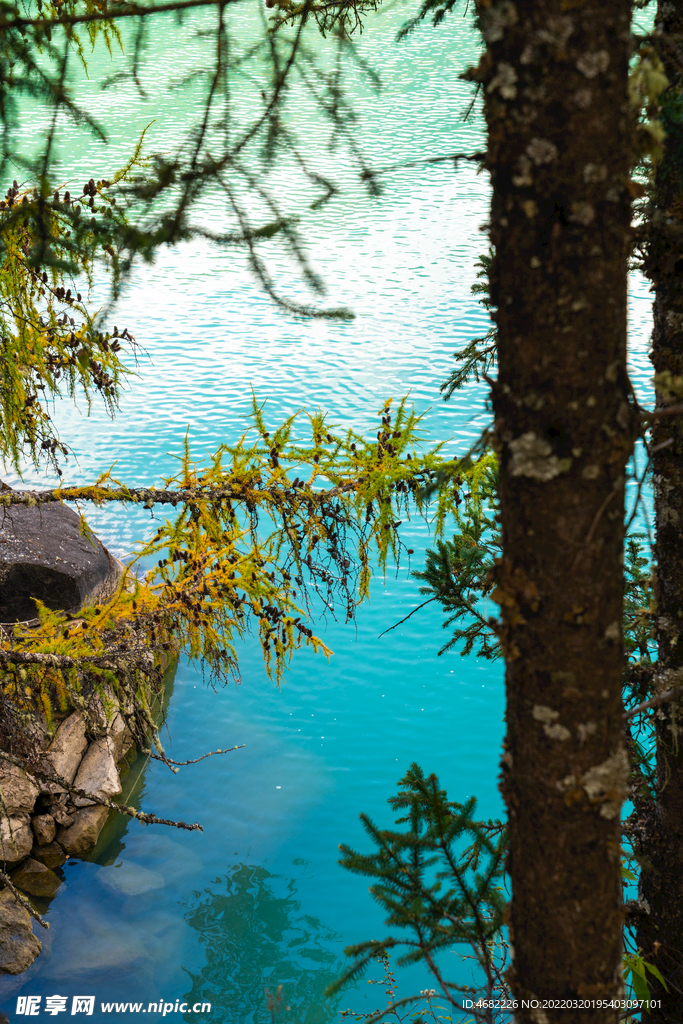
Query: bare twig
x=428, y=601
x=661, y=698
x=167, y=760
x=23, y=901
x=146, y=819
x=658, y=414
x=664, y=444
x=452, y=157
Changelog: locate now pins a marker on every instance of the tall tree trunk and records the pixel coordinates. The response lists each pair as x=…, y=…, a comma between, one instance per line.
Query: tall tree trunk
x=661, y=881
x=556, y=103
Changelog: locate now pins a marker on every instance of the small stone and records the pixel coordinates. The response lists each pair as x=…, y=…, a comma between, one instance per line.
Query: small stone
x=83, y=834
x=16, y=839
x=36, y=878
x=52, y=855
x=44, y=828
x=61, y=817
x=18, y=945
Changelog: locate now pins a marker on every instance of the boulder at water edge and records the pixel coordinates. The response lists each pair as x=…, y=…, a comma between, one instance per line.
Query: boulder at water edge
x=44, y=555
x=52, y=855
x=36, y=878
x=83, y=834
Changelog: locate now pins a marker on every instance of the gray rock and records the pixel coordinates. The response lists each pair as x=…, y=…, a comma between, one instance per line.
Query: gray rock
x=93, y=944
x=44, y=828
x=130, y=879
x=66, y=750
x=19, y=791
x=44, y=555
x=18, y=945
x=16, y=838
x=36, y=878
x=52, y=855
x=58, y=812
x=82, y=835
x=97, y=773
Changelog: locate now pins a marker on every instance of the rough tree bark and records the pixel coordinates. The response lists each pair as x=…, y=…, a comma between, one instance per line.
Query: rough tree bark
x=555, y=83
x=660, y=932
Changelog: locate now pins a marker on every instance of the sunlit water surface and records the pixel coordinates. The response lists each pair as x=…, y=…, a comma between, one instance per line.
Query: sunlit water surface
x=257, y=899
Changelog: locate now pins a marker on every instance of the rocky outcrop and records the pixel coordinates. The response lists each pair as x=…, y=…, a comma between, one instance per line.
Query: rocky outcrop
x=57, y=810
x=18, y=945
x=44, y=555
x=121, y=737
x=44, y=823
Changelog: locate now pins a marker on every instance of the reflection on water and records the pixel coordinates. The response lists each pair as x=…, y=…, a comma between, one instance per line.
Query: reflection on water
x=256, y=939
x=150, y=907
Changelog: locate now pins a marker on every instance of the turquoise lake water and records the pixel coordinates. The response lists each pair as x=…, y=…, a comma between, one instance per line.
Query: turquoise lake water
x=258, y=898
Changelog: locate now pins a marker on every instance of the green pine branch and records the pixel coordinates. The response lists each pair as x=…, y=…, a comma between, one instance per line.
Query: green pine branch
x=437, y=894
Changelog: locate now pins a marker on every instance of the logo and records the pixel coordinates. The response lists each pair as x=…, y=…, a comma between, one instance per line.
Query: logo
x=29, y=1006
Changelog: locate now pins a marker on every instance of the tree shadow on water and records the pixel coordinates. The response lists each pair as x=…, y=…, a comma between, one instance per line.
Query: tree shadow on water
x=256, y=940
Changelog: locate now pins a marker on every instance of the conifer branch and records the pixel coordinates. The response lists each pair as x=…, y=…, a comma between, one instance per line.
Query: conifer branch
x=405, y=884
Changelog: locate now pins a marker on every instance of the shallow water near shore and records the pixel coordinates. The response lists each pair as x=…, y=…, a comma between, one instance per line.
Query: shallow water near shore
x=158, y=915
